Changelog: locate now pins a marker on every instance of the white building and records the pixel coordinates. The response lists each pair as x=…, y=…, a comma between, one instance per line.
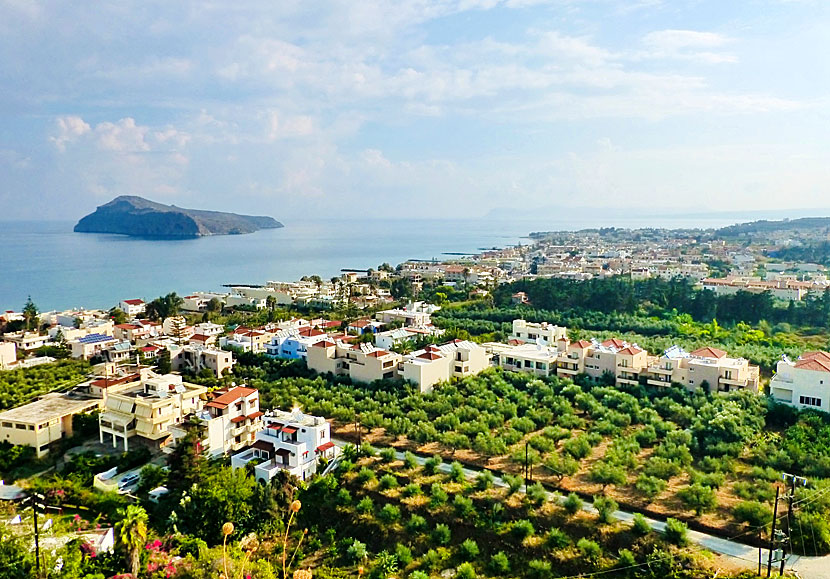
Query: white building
x=8, y=355
x=529, y=358
x=91, y=345
x=290, y=441
x=804, y=383
x=132, y=308
x=435, y=364
x=526, y=332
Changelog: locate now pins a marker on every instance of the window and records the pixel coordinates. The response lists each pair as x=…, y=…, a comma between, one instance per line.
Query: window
x=7, y=425
x=20, y=426
x=809, y=401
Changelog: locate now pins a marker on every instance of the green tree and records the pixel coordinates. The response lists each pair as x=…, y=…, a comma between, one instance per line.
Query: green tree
x=699, y=498
x=117, y=315
x=676, y=532
x=30, y=314
x=163, y=362
x=187, y=462
x=607, y=474
x=132, y=534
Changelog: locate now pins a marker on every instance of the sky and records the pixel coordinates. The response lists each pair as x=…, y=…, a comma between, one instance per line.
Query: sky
x=427, y=108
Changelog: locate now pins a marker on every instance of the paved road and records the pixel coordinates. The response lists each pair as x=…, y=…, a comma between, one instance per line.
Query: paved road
x=744, y=555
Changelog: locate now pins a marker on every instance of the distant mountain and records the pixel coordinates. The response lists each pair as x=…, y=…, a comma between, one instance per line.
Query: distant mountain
x=765, y=226
x=139, y=217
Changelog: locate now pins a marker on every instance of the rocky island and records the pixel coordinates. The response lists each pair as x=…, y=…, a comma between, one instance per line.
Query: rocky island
x=139, y=217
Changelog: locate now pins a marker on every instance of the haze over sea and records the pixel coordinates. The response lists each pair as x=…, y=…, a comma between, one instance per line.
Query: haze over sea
x=61, y=269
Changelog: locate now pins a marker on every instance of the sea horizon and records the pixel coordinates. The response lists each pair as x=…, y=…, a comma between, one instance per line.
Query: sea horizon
x=61, y=269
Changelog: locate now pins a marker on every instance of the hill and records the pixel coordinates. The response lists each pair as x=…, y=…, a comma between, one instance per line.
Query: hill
x=765, y=226
x=136, y=216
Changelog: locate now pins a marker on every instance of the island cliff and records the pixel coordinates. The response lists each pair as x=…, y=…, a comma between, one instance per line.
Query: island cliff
x=139, y=217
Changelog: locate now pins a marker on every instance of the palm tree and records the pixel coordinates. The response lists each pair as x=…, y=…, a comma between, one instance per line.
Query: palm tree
x=132, y=534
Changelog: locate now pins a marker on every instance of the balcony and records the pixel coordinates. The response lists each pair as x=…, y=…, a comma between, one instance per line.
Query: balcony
x=660, y=370
x=733, y=381
x=658, y=383
x=630, y=381
x=567, y=371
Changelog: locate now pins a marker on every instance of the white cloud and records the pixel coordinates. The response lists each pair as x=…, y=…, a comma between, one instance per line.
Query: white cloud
x=69, y=129
x=122, y=137
x=687, y=45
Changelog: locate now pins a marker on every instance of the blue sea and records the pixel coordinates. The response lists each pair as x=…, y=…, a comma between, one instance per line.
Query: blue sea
x=61, y=269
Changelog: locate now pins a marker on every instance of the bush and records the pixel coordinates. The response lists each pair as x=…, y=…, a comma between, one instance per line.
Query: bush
x=514, y=483
x=416, y=524
x=418, y=575
x=463, y=507
x=344, y=497
x=365, y=475
x=578, y=447
x=557, y=539
x=432, y=463
x=468, y=550
x=539, y=569
x=387, y=454
x=606, y=507
x=536, y=494
x=699, y=498
x=640, y=525
x=437, y=495
x=404, y=554
x=607, y=474
x=431, y=559
x=411, y=490
x=441, y=534
x=626, y=559
x=590, y=550
x=522, y=529
x=661, y=468
x=357, y=552
x=410, y=461
x=485, y=480
x=465, y=571
x=499, y=564
x=650, y=486
x=389, y=513
x=572, y=504
x=752, y=513
x=676, y=532
x=367, y=449
x=387, y=481
x=457, y=472
x=365, y=506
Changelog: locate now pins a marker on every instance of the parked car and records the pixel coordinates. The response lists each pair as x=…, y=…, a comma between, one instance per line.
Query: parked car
x=128, y=480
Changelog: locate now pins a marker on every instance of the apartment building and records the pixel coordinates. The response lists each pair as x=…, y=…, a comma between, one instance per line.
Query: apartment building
x=706, y=367
x=27, y=341
x=290, y=441
x=361, y=362
x=803, y=383
x=43, y=423
x=624, y=361
x=91, y=345
x=401, y=336
x=415, y=314
x=133, y=307
x=293, y=344
x=785, y=288
x=526, y=332
x=529, y=358
x=230, y=421
x=195, y=358
x=247, y=339
x=457, y=359
x=144, y=413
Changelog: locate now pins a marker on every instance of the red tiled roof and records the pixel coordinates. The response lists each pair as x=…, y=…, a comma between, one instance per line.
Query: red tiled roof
x=323, y=344
x=631, y=351
x=615, y=342
x=311, y=332
x=325, y=446
x=255, y=415
x=289, y=430
x=150, y=348
x=238, y=419
x=378, y=353
x=230, y=396
x=200, y=338
x=581, y=344
x=430, y=356
x=127, y=326
x=818, y=361
x=134, y=302
x=709, y=352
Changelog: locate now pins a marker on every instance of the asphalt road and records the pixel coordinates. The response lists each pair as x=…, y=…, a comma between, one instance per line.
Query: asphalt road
x=744, y=555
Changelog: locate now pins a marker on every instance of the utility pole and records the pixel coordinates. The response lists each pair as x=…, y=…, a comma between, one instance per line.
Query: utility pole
x=772, y=532
x=34, y=498
x=760, y=543
x=527, y=469
x=792, y=479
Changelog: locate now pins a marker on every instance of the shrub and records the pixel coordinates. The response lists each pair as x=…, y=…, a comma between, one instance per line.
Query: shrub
x=344, y=497
x=499, y=563
x=757, y=490
x=753, y=513
x=389, y=513
x=536, y=494
x=416, y=524
x=606, y=507
x=410, y=461
x=589, y=549
x=676, y=532
x=465, y=571
x=387, y=454
x=640, y=525
x=485, y=480
x=539, y=569
x=572, y=504
x=457, y=472
x=514, y=483
x=463, y=506
x=365, y=506
x=626, y=559
x=367, y=449
x=699, y=498
x=385, y=564
x=646, y=435
x=365, y=475
x=404, y=554
x=437, y=495
x=441, y=534
x=357, y=552
x=650, y=486
x=562, y=465
x=432, y=463
x=387, y=481
x=468, y=550
x=431, y=559
x=418, y=575
x=578, y=447
x=661, y=468
x=713, y=480
x=522, y=529
x=607, y=474
x=557, y=539
x=412, y=489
